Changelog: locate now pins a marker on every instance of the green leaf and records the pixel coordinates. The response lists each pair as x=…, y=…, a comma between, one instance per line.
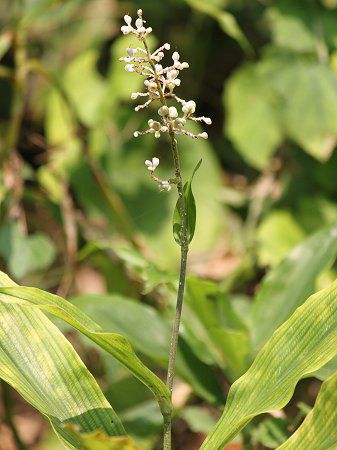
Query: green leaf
x=288, y=285
x=301, y=345
x=115, y=344
x=226, y=21
x=318, y=431
x=277, y=234
x=191, y=212
x=98, y=440
x=309, y=114
x=110, y=311
x=252, y=123
x=25, y=254
x=40, y=363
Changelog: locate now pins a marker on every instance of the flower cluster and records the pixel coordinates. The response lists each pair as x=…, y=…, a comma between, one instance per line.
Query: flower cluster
x=160, y=83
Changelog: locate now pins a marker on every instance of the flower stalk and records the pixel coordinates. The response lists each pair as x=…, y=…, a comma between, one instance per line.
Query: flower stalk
x=160, y=83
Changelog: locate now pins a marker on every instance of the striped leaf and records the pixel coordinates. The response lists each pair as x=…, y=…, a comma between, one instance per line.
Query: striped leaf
x=40, y=363
x=303, y=344
x=319, y=430
x=115, y=344
x=288, y=285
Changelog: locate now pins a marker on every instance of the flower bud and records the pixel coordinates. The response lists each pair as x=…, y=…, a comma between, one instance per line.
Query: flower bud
x=163, y=111
x=127, y=19
x=173, y=113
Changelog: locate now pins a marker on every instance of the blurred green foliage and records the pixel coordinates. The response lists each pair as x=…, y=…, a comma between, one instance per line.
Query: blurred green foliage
x=80, y=216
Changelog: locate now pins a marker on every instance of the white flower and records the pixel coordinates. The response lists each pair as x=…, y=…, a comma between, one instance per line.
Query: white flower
x=127, y=19
x=165, y=186
x=152, y=165
x=125, y=29
x=175, y=56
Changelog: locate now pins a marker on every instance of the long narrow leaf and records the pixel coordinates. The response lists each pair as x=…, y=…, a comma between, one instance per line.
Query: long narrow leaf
x=319, y=430
x=115, y=344
x=301, y=345
x=40, y=363
x=288, y=285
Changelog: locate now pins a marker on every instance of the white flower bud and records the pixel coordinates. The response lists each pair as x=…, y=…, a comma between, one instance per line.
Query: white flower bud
x=140, y=12
x=165, y=186
x=157, y=134
x=173, y=113
x=175, y=56
x=131, y=51
x=128, y=19
x=164, y=129
x=208, y=121
x=134, y=95
x=141, y=30
x=189, y=107
x=158, y=67
x=129, y=68
x=148, y=30
x=139, y=23
x=177, y=82
x=136, y=134
x=163, y=111
x=167, y=46
x=184, y=65
x=179, y=123
x=155, y=161
x=155, y=125
x=203, y=135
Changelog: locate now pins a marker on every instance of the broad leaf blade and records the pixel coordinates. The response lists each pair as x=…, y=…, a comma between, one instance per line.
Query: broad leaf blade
x=191, y=212
x=40, y=363
x=318, y=431
x=288, y=285
x=115, y=344
x=301, y=345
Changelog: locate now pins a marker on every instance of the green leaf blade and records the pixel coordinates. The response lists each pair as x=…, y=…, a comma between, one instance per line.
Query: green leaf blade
x=318, y=431
x=191, y=211
x=301, y=345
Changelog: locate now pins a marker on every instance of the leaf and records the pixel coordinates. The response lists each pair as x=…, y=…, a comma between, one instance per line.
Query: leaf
x=309, y=111
x=252, y=123
x=287, y=286
x=318, y=431
x=277, y=234
x=98, y=440
x=226, y=21
x=115, y=344
x=25, y=254
x=301, y=345
x=213, y=329
x=110, y=311
x=191, y=213
x=40, y=363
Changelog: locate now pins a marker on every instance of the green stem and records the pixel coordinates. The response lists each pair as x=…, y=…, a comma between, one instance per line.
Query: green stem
x=167, y=442
x=8, y=413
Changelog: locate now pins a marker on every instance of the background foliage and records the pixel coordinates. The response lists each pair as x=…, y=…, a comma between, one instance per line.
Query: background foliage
x=80, y=217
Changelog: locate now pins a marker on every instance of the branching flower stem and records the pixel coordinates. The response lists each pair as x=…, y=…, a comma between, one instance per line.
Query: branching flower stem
x=183, y=261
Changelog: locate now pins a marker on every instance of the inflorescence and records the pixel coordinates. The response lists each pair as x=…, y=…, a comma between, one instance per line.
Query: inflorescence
x=160, y=83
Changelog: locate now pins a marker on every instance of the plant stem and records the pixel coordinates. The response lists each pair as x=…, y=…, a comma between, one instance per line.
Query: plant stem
x=183, y=262
x=8, y=413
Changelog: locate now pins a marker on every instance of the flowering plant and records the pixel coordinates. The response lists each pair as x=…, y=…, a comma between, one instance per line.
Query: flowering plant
x=160, y=83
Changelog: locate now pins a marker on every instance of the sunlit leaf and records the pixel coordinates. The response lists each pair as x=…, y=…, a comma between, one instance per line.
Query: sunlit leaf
x=113, y=343
x=318, y=431
x=304, y=343
x=39, y=362
x=287, y=285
